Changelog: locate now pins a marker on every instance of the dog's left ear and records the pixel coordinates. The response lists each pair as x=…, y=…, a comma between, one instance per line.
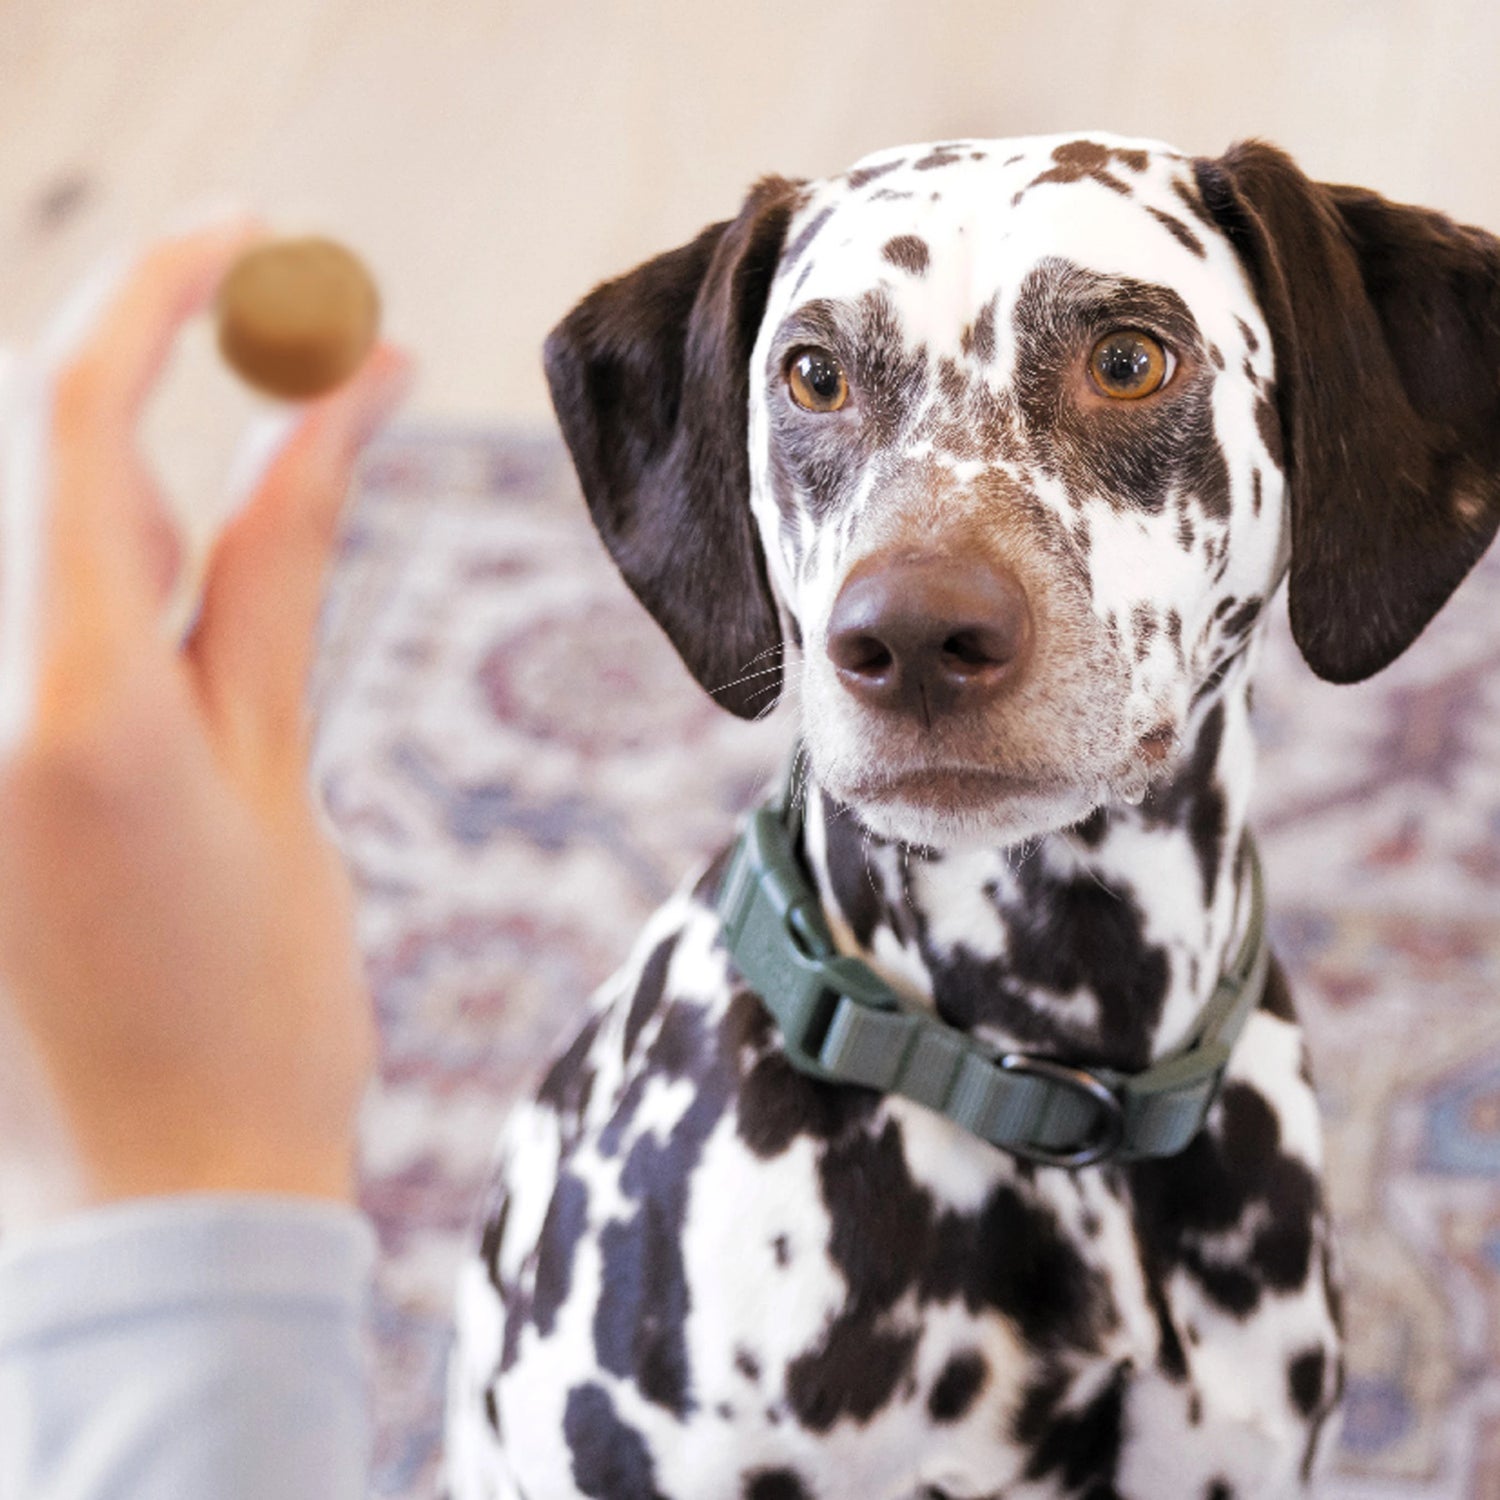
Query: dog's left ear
x=650, y=376
x=1385, y=322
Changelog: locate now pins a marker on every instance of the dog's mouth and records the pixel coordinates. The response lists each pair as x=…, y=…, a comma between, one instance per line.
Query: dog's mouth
x=949, y=788
x=952, y=807
x=958, y=805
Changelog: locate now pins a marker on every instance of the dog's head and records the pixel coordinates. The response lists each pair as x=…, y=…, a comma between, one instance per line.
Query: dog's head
x=1014, y=439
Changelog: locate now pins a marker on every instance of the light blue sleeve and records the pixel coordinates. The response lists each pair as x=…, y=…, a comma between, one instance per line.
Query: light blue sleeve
x=187, y=1347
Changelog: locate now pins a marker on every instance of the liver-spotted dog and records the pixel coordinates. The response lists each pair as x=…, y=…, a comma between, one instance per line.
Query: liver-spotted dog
x=1006, y=445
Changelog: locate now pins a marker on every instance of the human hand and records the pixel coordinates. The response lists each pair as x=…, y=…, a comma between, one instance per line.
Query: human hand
x=176, y=930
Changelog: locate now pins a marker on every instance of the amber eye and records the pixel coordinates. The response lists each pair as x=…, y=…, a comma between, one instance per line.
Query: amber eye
x=1127, y=365
x=816, y=380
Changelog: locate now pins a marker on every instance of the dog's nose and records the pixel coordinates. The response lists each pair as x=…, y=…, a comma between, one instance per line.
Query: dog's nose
x=927, y=635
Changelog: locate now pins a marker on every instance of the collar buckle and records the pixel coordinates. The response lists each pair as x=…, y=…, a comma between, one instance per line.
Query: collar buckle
x=1102, y=1140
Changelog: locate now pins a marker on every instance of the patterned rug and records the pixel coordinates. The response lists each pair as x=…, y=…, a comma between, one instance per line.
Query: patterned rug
x=519, y=770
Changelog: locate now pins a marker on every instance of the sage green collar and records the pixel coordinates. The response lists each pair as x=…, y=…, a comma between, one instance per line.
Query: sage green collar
x=841, y=1022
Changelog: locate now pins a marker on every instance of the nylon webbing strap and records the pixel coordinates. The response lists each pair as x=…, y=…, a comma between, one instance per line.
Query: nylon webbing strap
x=840, y=1021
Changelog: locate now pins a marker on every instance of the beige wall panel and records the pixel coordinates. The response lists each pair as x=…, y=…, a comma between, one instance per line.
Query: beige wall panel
x=495, y=159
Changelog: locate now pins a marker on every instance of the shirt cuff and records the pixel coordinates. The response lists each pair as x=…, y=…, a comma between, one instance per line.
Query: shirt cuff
x=157, y=1254
x=192, y=1345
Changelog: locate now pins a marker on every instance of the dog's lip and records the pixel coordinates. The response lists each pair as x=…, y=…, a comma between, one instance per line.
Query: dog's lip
x=966, y=784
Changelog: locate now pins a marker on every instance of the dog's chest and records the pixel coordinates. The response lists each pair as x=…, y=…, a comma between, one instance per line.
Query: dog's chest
x=754, y=1274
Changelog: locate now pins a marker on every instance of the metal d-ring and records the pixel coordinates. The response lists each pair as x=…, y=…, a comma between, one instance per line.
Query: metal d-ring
x=1107, y=1136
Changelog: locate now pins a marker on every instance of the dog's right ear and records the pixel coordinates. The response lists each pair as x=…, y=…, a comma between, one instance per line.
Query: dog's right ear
x=650, y=376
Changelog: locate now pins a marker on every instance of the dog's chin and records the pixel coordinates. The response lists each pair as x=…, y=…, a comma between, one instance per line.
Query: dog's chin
x=953, y=810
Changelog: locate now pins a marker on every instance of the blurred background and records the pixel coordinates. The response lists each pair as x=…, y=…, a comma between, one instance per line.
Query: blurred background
x=495, y=158
x=516, y=765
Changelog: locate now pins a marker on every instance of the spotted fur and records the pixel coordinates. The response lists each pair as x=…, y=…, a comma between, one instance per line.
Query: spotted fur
x=704, y=1274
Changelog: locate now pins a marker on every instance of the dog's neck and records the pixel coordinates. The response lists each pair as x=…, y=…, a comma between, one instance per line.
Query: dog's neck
x=1098, y=944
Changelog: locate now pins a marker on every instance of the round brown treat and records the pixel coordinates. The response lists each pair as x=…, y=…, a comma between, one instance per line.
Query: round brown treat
x=297, y=317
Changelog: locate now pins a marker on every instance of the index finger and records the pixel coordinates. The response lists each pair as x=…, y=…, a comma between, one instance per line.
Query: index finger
x=108, y=345
x=75, y=496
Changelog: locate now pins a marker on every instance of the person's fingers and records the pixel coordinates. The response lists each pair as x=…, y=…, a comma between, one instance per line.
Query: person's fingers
x=252, y=644
x=108, y=346
x=102, y=545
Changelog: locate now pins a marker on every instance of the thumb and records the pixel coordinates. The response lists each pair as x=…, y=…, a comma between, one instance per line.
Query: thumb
x=251, y=646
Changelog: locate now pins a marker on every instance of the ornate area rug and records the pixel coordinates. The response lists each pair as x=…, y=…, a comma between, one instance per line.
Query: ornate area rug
x=519, y=769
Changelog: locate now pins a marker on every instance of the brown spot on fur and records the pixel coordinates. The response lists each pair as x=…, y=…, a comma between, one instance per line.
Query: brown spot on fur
x=1239, y=615
x=984, y=330
x=1193, y=203
x=1187, y=534
x=861, y=175
x=1248, y=334
x=957, y=1385
x=951, y=379
x=909, y=252
x=805, y=236
x=1179, y=231
x=1268, y=423
x=939, y=157
x=1076, y=160
x=1143, y=621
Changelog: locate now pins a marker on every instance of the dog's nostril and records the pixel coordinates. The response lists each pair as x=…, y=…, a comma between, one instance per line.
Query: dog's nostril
x=864, y=655
x=974, y=649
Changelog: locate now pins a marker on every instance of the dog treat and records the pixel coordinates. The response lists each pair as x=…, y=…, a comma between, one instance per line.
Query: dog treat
x=296, y=317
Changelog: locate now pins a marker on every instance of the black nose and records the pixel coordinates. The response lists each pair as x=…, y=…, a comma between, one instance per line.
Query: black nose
x=928, y=635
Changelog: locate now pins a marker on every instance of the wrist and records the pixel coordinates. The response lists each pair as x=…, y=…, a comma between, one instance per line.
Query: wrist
x=332, y=1178
x=204, y=1155
x=153, y=1135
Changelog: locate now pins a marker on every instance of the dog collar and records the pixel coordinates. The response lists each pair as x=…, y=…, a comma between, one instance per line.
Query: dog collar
x=841, y=1022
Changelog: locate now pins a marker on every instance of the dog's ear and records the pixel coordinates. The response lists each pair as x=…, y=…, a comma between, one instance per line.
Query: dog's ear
x=1385, y=322
x=650, y=376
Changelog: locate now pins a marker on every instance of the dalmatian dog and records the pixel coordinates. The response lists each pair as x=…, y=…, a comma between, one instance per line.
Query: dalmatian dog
x=990, y=454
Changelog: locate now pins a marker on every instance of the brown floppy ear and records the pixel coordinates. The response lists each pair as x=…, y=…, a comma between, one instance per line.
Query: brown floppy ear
x=1386, y=326
x=650, y=376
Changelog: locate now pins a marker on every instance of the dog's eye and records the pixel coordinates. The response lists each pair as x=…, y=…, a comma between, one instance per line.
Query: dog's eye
x=816, y=380
x=1127, y=365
